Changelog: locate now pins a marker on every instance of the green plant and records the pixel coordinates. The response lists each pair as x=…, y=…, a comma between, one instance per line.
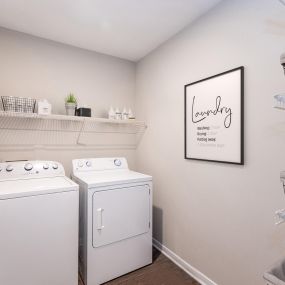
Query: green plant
x=71, y=99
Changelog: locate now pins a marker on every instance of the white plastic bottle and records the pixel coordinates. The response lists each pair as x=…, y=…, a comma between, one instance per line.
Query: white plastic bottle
x=125, y=114
x=130, y=114
x=112, y=114
x=118, y=114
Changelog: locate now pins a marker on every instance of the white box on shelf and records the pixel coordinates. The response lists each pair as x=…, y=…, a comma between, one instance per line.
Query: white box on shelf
x=44, y=107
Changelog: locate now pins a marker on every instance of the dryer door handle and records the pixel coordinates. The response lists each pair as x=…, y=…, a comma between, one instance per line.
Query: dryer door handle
x=100, y=219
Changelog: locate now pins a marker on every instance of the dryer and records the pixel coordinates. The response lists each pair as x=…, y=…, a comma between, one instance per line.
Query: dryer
x=39, y=224
x=115, y=218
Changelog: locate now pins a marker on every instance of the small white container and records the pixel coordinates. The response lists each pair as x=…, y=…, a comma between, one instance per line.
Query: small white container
x=130, y=114
x=44, y=107
x=125, y=115
x=118, y=114
x=111, y=114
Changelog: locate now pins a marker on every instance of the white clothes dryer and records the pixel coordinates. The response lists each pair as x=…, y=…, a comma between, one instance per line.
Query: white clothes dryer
x=39, y=224
x=115, y=218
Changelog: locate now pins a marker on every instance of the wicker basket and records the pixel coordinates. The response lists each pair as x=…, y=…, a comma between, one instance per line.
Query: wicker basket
x=18, y=104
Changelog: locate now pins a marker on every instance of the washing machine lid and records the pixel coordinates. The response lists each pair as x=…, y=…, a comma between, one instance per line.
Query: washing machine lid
x=110, y=177
x=31, y=187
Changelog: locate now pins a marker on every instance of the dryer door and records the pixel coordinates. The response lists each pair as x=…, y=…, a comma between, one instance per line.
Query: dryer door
x=120, y=213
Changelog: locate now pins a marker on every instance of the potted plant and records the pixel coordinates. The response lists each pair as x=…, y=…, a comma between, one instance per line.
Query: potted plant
x=70, y=104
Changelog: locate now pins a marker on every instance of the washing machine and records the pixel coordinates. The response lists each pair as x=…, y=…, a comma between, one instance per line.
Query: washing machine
x=38, y=224
x=115, y=218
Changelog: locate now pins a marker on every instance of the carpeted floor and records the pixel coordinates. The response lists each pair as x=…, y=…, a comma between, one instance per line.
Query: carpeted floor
x=161, y=272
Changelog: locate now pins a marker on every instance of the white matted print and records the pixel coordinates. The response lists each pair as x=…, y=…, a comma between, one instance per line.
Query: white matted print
x=214, y=118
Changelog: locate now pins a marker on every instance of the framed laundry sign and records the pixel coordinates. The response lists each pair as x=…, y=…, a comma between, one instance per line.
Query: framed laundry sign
x=214, y=118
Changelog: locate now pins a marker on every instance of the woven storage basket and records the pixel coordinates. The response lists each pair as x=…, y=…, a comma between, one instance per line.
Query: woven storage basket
x=18, y=104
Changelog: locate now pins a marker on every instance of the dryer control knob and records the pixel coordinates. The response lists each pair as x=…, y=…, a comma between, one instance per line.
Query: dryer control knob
x=55, y=166
x=117, y=162
x=80, y=164
x=45, y=166
x=28, y=166
x=9, y=168
x=88, y=163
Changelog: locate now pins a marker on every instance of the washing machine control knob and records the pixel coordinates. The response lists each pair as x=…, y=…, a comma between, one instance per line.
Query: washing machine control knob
x=0, y=168
x=55, y=166
x=28, y=166
x=88, y=163
x=9, y=168
x=45, y=166
x=80, y=164
x=117, y=162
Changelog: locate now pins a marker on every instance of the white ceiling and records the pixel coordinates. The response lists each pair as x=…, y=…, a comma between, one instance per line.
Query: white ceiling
x=128, y=29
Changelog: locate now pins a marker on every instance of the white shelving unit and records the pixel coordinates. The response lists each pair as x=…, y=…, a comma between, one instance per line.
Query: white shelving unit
x=20, y=129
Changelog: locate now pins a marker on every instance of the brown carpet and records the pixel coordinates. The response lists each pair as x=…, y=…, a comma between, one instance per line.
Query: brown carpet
x=161, y=272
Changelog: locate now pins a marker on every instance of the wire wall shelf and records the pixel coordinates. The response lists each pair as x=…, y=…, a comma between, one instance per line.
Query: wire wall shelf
x=23, y=129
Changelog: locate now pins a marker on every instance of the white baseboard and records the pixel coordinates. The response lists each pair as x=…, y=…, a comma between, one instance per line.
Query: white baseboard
x=189, y=269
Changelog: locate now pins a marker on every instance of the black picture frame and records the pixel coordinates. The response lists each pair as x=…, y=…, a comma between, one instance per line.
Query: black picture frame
x=240, y=120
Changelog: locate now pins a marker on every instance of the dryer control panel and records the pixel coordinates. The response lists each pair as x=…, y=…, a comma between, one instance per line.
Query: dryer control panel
x=99, y=164
x=30, y=169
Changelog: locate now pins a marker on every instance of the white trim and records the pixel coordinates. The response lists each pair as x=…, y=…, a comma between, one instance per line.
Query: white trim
x=189, y=269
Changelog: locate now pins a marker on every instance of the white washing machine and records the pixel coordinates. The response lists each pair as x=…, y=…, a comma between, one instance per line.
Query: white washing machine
x=115, y=218
x=38, y=224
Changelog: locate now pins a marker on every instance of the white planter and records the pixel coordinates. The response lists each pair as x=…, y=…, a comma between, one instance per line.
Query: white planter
x=70, y=109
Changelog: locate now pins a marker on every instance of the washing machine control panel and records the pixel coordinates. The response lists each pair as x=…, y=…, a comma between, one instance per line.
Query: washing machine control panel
x=30, y=169
x=99, y=164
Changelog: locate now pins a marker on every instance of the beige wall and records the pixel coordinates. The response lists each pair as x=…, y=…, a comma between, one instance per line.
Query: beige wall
x=218, y=217
x=33, y=67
